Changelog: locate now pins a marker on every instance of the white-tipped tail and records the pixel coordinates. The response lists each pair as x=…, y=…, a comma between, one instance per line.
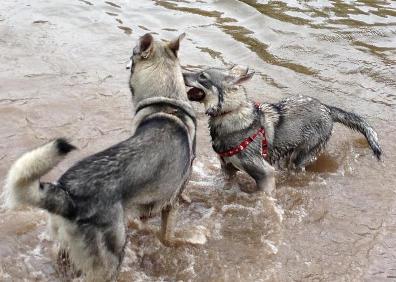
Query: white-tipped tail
x=357, y=123
x=22, y=186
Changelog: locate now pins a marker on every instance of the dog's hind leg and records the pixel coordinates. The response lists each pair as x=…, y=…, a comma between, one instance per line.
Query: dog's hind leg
x=298, y=160
x=303, y=155
x=315, y=141
x=60, y=251
x=99, y=250
x=65, y=266
x=103, y=255
x=115, y=242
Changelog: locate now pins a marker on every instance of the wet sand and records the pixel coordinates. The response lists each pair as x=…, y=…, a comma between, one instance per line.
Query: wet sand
x=62, y=73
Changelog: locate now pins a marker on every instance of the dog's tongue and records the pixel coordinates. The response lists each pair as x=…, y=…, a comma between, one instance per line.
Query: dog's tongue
x=195, y=94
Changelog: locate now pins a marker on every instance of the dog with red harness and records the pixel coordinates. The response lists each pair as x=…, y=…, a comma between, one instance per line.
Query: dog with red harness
x=251, y=137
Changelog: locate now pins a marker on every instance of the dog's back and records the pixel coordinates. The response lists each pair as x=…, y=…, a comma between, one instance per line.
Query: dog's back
x=301, y=121
x=145, y=169
x=304, y=125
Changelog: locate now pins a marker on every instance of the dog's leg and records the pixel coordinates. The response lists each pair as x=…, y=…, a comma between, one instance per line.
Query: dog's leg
x=302, y=156
x=63, y=262
x=295, y=160
x=229, y=172
x=136, y=221
x=168, y=221
x=114, y=240
x=99, y=251
x=307, y=151
x=262, y=172
x=60, y=251
x=195, y=236
x=267, y=182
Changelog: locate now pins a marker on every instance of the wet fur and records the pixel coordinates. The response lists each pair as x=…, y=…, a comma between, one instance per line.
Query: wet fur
x=143, y=175
x=297, y=128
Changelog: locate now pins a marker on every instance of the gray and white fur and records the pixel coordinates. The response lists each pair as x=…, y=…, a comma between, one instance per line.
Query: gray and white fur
x=297, y=128
x=142, y=175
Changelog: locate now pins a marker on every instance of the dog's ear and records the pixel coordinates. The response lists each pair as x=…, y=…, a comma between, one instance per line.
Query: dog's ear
x=240, y=74
x=243, y=78
x=145, y=46
x=175, y=43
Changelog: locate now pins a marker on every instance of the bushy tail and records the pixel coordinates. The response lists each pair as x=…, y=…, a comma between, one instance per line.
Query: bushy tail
x=357, y=123
x=23, y=186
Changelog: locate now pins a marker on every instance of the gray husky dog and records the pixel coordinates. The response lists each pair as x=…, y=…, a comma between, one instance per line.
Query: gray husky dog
x=140, y=176
x=251, y=137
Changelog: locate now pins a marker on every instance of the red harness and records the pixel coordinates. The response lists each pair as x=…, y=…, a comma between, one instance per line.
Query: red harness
x=243, y=145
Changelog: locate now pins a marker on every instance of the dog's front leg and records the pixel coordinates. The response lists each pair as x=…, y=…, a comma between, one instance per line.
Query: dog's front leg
x=168, y=222
x=262, y=172
x=229, y=172
x=266, y=181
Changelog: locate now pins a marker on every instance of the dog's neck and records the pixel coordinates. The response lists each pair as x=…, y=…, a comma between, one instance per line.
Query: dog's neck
x=160, y=102
x=150, y=106
x=233, y=120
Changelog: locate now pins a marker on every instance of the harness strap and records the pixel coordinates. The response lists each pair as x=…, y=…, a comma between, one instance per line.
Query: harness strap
x=243, y=145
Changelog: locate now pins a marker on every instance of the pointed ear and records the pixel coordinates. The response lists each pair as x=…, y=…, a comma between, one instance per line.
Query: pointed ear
x=145, y=45
x=175, y=43
x=243, y=78
x=238, y=70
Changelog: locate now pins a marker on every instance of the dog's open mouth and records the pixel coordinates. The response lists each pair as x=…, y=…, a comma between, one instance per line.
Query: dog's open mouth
x=195, y=94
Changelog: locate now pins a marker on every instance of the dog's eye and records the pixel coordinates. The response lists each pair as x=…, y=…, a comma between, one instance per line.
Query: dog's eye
x=202, y=76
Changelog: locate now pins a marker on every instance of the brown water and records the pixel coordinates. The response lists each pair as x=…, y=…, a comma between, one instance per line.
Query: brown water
x=62, y=73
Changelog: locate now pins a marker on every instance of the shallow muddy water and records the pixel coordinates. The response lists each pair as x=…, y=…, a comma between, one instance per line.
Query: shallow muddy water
x=62, y=73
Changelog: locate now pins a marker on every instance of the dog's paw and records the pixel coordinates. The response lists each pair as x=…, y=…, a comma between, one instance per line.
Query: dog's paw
x=197, y=235
x=270, y=190
x=267, y=186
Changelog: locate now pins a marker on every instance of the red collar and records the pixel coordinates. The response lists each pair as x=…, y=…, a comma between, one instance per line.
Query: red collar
x=243, y=145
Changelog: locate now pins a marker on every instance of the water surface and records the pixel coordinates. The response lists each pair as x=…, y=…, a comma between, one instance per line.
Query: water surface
x=62, y=73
